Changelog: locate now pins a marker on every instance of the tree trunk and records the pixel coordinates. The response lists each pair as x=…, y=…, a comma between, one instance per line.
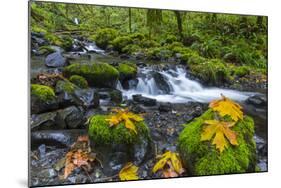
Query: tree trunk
x=179, y=21
x=130, y=20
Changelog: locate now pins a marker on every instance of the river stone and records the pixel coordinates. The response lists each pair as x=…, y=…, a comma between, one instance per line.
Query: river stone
x=55, y=60
x=165, y=107
x=86, y=98
x=40, y=106
x=161, y=83
x=144, y=100
x=71, y=117
x=257, y=100
x=45, y=121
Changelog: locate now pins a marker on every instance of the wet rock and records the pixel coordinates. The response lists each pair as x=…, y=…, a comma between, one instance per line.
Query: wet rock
x=142, y=151
x=165, y=107
x=56, y=138
x=42, y=151
x=40, y=106
x=138, y=109
x=65, y=99
x=55, y=60
x=71, y=117
x=161, y=83
x=45, y=121
x=47, y=173
x=86, y=98
x=144, y=100
x=257, y=100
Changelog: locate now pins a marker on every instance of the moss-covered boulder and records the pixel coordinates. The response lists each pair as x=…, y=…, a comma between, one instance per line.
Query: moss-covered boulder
x=65, y=86
x=212, y=72
x=79, y=81
x=102, y=134
x=120, y=42
x=120, y=141
x=96, y=74
x=104, y=37
x=127, y=70
x=202, y=158
x=43, y=98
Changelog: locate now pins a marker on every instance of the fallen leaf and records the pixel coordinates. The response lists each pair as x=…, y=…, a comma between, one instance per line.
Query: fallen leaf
x=170, y=160
x=129, y=172
x=221, y=132
x=124, y=115
x=225, y=106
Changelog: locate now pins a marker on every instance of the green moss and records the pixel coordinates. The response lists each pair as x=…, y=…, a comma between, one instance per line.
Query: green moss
x=116, y=96
x=102, y=134
x=53, y=39
x=97, y=74
x=104, y=37
x=44, y=93
x=131, y=48
x=241, y=71
x=45, y=50
x=202, y=158
x=170, y=39
x=160, y=53
x=127, y=70
x=67, y=42
x=146, y=43
x=212, y=72
x=79, y=81
x=65, y=86
x=120, y=42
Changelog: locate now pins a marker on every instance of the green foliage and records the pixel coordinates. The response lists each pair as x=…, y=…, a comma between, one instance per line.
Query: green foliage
x=46, y=50
x=104, y=37
x=44, y=93
x=120, y=42
x=241, y=71
x=202, y=158
x=79, y=81
x=213, y=72
x=97, y=74
x=101, y=133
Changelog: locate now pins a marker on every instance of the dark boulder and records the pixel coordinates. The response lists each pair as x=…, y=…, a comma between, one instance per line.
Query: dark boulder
x=45, y=121
x=55, y=60
x=86, y=98
x=257, y=100
x=144, y=100
x=71, y=117
x=161, y=83
x=165, y=107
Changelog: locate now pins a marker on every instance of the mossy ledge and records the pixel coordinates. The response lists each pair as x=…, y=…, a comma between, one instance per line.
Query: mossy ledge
x=202, y=158
x=97, y=74
x=102, y=134
x=79, y=81
x=127, y=70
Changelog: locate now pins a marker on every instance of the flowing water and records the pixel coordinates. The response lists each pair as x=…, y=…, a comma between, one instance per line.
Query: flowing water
x=173, y=85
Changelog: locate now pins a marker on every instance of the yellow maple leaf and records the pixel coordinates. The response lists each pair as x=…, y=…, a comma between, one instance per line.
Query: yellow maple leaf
x=225, y=106
x=222, y=131
x=124, y=115
x=129, y=172
x=172, y=158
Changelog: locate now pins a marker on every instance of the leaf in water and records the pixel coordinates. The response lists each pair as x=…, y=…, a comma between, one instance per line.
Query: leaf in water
x=222, y=133
x=225, y=106
x=124, y=115
x=171, y=164
x=129, y=172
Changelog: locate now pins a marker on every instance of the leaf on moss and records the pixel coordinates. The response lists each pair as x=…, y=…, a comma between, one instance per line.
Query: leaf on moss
x=221, y=132
x=170, y=163
x=225, y=106
x=124, y=115
x=129, y=172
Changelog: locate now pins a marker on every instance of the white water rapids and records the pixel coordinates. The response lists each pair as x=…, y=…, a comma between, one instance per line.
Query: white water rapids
x=182, y=89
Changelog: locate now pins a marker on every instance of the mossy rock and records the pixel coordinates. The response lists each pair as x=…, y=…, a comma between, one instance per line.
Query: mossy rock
x=66, y=42
x=102, y=134
x=46, y=50
x=127, y=70
x=212, y=72
x=131, y=49
x=79, y=81
x=202, y=158
x=65, y=86
x=44, y=93
x=104, y=37
x=43, y=98
x=96, y=74
x=121, y=42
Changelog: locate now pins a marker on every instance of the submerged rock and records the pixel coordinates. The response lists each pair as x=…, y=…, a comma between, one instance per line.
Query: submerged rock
x=144, y=100
x=202, y=158
x=55, y=60
x=86, y=98
x=257, y=100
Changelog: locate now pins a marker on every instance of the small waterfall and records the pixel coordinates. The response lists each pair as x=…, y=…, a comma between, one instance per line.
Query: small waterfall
x=76, y=21
x=173, y=85
x=92, y=47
